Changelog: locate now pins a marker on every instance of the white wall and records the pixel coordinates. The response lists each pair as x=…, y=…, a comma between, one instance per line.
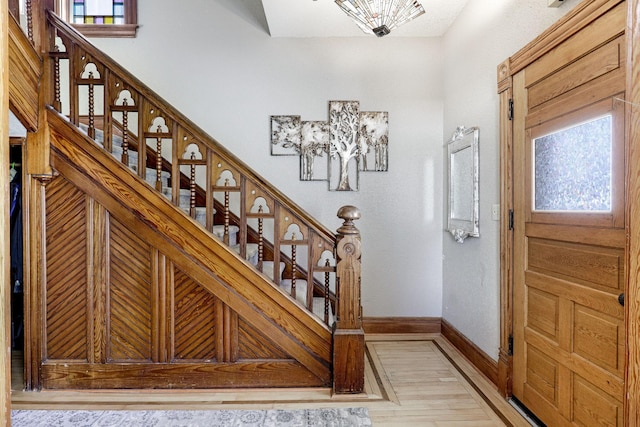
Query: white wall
x=216, y=63
x=483, y=36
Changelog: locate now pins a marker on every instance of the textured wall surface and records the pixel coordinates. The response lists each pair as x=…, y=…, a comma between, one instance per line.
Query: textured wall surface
x=216, y=62
x=483, y=36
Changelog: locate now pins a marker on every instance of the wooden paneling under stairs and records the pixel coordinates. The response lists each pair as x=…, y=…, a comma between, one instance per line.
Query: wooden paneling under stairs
x=157, y=258
x=137, y=295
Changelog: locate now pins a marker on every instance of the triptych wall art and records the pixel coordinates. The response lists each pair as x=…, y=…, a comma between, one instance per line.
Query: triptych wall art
x=338, y=150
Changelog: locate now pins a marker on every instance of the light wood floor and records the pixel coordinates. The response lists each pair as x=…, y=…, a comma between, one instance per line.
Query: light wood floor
x=411, y=380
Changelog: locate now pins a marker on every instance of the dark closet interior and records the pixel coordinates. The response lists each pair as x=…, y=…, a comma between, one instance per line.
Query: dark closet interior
x=17, y=265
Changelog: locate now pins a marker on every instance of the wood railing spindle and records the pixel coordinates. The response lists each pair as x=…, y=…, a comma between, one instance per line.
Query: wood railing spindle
x=159, y=160
x=192, y=187
x=92, y=130
x=327, y=281
x=57, y=104
x=125, y=132
x=294, y=268
x=29, y=12
x=261, y=238
x=226, y=213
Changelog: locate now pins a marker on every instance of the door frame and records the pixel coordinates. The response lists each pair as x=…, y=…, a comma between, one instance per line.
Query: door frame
x=576, y=19
x=632, y=377
x=5, y=299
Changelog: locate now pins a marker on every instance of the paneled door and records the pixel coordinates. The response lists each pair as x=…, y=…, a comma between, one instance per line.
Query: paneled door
x=569, y=228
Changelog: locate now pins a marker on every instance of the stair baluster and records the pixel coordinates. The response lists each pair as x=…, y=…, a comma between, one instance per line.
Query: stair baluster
x=192, y=187
x=125, y=132
x=159, y=160
x=92, y=130
x=29, y=12
x=56, y=79
x=318, y=240
x=294, y=265
x=260, y=239
x=226, y=213
x=327, y=281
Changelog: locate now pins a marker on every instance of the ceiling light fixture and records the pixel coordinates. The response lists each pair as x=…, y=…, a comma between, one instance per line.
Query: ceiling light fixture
x=379, y=17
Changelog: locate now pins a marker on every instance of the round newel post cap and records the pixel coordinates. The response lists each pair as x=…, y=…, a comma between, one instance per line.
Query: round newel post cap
x=348, y=214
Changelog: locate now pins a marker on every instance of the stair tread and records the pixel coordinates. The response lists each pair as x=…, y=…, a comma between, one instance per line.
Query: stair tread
x=318, y=303
x=301, y=297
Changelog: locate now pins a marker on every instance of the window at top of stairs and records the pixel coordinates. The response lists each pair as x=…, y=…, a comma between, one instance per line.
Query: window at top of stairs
x=101, y=18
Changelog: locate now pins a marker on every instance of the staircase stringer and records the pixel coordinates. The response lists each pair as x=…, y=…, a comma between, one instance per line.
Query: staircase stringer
x=147, y=105
x=211, y=263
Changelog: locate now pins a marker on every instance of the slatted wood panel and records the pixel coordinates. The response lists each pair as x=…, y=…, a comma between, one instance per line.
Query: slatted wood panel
x=66, y=287
x=130, y=303
x=195, y=320
x=253, y=344
x=25, y=71
x=130, y=299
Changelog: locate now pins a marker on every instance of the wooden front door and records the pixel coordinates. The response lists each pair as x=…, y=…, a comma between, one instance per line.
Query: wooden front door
x=569, y=228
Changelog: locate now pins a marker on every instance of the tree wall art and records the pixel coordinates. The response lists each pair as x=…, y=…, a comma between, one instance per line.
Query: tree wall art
x=336, y=151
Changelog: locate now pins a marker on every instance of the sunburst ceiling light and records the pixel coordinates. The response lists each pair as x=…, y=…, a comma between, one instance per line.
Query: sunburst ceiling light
x=379, y=17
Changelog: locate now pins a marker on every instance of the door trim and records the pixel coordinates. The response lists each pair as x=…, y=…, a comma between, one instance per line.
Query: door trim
x=575, y=20
x=632, y=299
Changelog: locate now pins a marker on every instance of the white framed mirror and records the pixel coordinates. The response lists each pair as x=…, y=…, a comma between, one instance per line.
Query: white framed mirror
x=464, y=183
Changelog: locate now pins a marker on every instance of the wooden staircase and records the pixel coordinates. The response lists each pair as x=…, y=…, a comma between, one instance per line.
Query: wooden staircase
x=158, y=259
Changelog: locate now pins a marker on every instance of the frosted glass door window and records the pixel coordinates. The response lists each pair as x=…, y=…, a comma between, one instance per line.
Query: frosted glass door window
x=572, y=168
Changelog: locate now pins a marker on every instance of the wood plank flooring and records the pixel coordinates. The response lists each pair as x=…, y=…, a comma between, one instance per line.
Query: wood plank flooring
x=411, y=380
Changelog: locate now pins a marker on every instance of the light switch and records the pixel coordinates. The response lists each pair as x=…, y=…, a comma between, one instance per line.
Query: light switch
x=495, y=212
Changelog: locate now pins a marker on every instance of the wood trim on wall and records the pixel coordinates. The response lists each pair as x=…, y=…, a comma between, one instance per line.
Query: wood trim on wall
x=632, y=296
x=5, y=303
x=575, y=20
x=401, y=325
x=128, y=29
x=505, y=359
x=476, y=356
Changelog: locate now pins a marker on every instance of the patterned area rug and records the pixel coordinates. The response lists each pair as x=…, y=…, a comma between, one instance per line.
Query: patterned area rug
x=330, y=417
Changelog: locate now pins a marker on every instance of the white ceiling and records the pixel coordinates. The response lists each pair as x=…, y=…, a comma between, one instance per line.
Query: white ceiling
x=324, y=18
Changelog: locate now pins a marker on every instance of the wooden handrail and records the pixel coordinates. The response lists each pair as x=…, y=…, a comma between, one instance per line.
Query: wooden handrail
x=212, y=265
x=25, y=68
x=217, y=159
x=336, y=260
x=174, y=114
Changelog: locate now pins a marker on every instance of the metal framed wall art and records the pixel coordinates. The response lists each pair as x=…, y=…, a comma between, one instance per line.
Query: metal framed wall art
x=351, y=141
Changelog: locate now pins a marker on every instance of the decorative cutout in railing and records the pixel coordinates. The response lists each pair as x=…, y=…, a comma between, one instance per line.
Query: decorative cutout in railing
x=350, y=136
x=193, y=171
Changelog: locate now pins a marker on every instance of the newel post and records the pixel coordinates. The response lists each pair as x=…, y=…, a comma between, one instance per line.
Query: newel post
x=348, y=336
x=38, y=142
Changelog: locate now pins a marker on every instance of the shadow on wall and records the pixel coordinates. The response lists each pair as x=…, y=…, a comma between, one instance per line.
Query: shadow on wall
x=15, y=127
x=249, y=10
